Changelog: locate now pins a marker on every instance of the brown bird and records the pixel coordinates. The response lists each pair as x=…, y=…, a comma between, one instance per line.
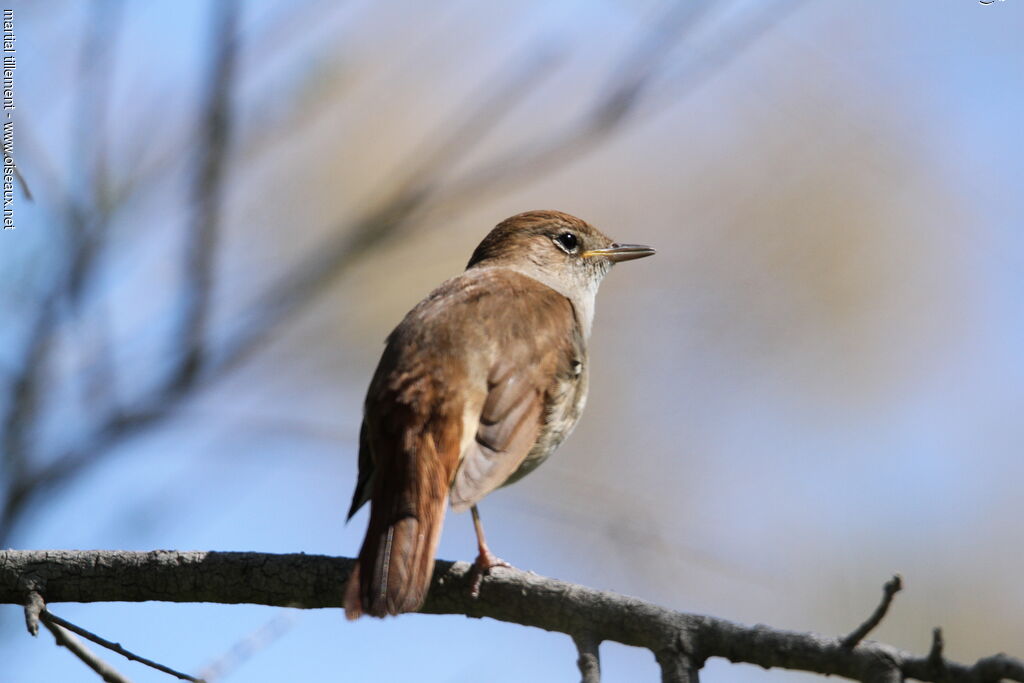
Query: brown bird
x=477, y=386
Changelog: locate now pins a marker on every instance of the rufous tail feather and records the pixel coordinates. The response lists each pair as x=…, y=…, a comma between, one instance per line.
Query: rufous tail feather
x=396, y=561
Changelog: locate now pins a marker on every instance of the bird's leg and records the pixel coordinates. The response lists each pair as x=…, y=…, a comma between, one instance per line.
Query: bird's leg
x=485, y=559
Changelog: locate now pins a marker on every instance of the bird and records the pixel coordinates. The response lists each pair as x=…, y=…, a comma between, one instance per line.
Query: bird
x=476, y=387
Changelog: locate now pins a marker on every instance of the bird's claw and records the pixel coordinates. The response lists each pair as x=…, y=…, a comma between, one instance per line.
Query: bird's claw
x=482, y=566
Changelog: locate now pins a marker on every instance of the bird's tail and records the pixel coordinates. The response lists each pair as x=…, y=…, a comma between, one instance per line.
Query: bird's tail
x=407, y=510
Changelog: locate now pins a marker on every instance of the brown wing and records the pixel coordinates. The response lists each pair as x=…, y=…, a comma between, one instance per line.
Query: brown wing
x=539, y=348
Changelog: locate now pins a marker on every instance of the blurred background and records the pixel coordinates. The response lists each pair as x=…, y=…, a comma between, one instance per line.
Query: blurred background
x=817, y=381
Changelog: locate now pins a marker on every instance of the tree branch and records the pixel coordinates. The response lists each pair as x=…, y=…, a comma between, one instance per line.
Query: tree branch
x=890, y=589
x=78, y=648
x=680, y=641
x=49, y=618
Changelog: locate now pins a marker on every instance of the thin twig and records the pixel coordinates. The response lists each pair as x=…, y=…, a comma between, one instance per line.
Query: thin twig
x=49, y=617
x=890, y=589
x=68, y=640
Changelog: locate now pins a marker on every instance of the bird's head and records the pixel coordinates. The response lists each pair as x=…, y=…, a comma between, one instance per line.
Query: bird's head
x=555, y=248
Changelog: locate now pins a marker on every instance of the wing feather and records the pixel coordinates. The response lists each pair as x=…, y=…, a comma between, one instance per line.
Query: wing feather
x=539, y=347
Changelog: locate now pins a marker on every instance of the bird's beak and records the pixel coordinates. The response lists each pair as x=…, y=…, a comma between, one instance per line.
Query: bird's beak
x=621, y=252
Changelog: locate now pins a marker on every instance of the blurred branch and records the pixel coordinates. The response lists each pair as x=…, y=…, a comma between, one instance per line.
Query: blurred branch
x=681, y=642
x=391, y=215
x=207, y=190
x=736, y=38
x=627, y=97
x=597, y=122
x=116, y=428
x=284, y=25
x=422, y=187
x=247, y=647
x=95, y=73
x=88, y=219
x=83, y=222
x=150, y=157
x=85, y=211
x=281, y=300
x=23, y=399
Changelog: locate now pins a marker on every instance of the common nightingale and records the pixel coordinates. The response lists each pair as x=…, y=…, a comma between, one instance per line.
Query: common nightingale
x=477, y=386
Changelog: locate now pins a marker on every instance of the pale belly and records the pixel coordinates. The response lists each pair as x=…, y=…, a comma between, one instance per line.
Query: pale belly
x=561, y=415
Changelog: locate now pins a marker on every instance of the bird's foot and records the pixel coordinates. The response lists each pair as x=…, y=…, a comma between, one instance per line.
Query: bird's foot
x=482, y=566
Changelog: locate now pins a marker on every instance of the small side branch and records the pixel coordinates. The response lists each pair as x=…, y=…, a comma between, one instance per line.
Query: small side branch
x=589, y=660
x=936, y=660
x=890, y=589
x=677, y=667
x=68, y=640
x=50, y=618
x=34, y=607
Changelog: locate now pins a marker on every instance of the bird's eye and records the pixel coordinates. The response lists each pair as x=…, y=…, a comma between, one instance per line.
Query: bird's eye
x=568, y=242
